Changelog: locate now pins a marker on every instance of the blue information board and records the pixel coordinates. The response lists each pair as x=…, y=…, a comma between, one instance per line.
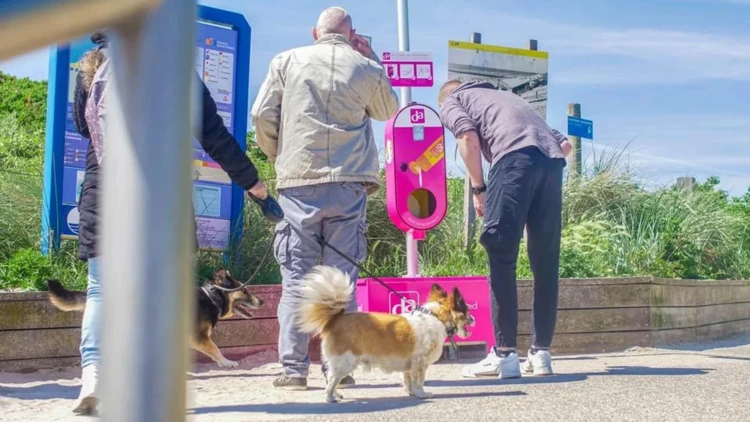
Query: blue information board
x=581, y=128
x=222, y=59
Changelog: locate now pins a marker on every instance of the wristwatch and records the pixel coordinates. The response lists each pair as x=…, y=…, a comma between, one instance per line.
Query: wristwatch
x=477, y=191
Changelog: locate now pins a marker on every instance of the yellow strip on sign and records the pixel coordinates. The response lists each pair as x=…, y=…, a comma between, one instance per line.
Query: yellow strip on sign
x=498, y=49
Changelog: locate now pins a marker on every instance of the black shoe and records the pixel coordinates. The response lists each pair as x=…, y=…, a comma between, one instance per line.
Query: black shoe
x=285, y=382
x=346, y=382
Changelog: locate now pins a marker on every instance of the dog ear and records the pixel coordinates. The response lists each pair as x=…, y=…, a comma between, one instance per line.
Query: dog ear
x=438, y=291
x=459, y=303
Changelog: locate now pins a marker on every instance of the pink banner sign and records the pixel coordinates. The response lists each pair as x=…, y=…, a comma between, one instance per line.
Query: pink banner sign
x=409, y=68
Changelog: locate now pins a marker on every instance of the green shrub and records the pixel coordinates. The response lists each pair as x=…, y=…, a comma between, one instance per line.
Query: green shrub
x=27, y=269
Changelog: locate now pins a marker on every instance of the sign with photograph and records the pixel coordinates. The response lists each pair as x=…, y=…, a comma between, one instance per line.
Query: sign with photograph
x=523, y=72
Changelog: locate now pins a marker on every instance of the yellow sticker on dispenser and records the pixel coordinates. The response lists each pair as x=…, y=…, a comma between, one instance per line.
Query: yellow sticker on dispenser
x=429, y=158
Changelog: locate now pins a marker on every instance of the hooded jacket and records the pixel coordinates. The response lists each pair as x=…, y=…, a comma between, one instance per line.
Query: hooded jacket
x=215, y=139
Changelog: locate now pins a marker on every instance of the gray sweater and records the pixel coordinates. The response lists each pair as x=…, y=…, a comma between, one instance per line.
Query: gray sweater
x=503, y=121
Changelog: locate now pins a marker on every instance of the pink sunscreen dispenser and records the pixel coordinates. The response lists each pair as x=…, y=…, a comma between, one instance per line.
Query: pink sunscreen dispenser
x=415, y=169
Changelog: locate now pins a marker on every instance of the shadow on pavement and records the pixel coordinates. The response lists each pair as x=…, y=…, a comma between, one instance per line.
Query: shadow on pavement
x=40, y=392
x=207, y=376
x=645, y=370
x=345, y=407
x=566, y=378
x=729, y=357
x=468, y=382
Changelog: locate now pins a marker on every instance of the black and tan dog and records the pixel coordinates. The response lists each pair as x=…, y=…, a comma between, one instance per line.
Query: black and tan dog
x=213, y=304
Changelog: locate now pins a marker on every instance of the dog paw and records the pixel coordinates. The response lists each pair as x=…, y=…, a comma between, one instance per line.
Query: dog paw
x=333, y=399
x=338, y=396
x=228, y=364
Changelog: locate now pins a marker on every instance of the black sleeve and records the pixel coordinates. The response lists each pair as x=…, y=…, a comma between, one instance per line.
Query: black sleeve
x=79, y=108
x=88, y=209
x=222, y=147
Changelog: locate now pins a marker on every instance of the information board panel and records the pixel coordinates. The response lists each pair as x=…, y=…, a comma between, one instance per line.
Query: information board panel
x=222, y=54
x=215, y=62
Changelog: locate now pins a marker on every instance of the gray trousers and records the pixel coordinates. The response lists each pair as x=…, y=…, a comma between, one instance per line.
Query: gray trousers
x=336, y=212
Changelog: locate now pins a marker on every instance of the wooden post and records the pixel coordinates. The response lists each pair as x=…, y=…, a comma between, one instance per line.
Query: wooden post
x=574, y=160
x=686, y=184
x=470, y=215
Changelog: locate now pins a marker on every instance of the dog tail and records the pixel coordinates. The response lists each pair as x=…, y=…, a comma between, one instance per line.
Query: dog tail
x=326, y=292
x=64, y=299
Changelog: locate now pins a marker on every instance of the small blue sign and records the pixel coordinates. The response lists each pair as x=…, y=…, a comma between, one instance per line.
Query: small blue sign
x=581, y=128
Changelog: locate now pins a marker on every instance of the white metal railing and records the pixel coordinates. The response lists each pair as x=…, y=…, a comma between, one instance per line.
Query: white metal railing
x=145, y=225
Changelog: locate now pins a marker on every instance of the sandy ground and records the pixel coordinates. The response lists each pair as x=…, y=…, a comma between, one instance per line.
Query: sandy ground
x=694, y=382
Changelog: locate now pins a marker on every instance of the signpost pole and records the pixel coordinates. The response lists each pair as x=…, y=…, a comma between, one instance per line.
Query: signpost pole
x=574, y=162
x=146, y=228
x=470, y=215
x=412, y=250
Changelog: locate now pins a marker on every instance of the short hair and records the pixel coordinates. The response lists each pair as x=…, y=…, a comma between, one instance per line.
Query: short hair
x=334, y=20
x=447, y=89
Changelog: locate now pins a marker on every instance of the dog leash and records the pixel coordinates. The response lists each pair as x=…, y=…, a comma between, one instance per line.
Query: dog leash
x=273, y=213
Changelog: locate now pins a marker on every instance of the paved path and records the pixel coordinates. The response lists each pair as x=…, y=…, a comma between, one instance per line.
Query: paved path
x=685, y=383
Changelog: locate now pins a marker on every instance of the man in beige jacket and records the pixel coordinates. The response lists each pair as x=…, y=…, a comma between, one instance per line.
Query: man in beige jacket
x=312, y=119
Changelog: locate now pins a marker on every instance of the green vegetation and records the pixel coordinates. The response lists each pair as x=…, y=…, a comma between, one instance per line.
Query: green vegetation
x=612, y=225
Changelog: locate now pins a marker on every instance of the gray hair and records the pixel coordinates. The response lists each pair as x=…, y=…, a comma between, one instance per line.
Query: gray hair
x=334, y=20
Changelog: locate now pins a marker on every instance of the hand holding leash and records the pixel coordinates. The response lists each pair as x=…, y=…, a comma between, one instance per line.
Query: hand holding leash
x=269, y=207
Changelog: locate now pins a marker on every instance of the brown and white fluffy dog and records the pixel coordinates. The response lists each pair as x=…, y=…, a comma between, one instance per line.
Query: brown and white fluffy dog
x=393, y=343
x=212, y=305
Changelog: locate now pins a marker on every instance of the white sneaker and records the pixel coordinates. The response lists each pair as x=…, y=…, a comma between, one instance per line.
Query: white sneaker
x=88, y=399
x=540, y=363
x=494, y=366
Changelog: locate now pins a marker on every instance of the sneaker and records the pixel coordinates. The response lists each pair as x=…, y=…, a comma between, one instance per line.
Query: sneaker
x=285, y=382
x=505, y=367
x=346, y=382
x=88, y=399
x=538, y=363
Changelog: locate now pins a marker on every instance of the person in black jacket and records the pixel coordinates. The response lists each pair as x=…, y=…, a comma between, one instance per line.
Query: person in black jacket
x=215, y=140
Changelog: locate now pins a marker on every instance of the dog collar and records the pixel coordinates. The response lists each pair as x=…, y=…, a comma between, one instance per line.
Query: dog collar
x=450, y=329
x=208, y=290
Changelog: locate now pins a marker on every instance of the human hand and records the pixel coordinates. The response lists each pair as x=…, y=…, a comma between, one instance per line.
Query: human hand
x=479, y=204
x=567, y=148
x=259, y=190
x=359, y=44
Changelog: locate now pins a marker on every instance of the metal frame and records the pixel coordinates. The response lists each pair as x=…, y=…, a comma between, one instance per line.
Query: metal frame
x=146, y=249
x=412, y=249
x=59, y=63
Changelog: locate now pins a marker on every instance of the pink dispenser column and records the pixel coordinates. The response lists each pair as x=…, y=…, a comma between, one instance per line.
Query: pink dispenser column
x=416, y=176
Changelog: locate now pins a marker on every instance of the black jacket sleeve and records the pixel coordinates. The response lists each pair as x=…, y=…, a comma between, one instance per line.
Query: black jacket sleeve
x=88, y=209
x=222, y=147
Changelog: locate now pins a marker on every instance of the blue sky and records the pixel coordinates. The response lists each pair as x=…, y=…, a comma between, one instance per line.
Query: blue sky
x=670, y=78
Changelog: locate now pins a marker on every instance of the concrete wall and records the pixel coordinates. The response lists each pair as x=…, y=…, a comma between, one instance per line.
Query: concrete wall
x=595, y=315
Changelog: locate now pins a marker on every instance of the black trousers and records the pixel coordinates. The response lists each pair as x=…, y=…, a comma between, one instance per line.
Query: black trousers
x=524, y=189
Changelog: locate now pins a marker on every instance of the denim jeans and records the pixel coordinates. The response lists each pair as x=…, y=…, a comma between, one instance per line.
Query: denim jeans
x=335, y=211
x=92, y=316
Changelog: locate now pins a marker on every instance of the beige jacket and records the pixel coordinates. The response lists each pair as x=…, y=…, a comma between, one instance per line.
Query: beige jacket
x=312, y=114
